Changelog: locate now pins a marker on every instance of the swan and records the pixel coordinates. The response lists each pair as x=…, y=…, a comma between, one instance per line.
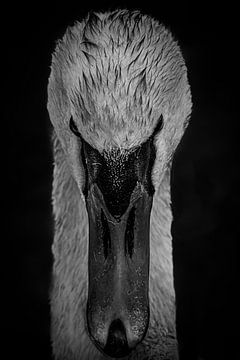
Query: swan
x=119, y=101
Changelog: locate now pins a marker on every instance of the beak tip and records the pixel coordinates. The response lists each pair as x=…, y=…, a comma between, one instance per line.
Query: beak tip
x=115, y=338
x=117, y=344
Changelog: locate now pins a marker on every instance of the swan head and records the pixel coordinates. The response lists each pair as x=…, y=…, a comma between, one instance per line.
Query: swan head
x=119, y=100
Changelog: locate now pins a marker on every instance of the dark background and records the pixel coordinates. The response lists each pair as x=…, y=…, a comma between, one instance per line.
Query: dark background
x=204, y=184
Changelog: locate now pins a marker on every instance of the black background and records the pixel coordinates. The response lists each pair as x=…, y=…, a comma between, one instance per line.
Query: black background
x=204, y=183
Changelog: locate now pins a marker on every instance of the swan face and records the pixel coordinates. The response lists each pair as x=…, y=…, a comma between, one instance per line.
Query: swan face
x=119, y=101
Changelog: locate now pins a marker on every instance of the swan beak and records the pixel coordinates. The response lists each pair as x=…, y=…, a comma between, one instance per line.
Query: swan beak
x=118, y=263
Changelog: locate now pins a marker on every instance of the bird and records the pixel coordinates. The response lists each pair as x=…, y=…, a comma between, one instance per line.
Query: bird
x=119, y=101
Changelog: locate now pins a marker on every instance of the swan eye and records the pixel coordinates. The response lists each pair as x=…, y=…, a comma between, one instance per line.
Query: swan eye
x=159, y=126
x=74, y=128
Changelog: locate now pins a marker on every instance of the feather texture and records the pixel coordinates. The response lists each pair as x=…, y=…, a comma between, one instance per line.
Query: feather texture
x=114, y=74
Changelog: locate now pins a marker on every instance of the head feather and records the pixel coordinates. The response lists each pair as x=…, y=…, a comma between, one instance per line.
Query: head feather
x=117, y=73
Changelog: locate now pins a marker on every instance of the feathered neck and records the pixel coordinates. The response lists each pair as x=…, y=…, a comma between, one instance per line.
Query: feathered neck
x=70, y=272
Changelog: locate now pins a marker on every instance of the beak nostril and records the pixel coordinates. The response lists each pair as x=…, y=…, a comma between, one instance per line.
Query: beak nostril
x=117, y=345
x=106, y=238
x=129, y=233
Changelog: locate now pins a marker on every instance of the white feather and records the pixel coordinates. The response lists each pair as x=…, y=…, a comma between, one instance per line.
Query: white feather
x=115, y=74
